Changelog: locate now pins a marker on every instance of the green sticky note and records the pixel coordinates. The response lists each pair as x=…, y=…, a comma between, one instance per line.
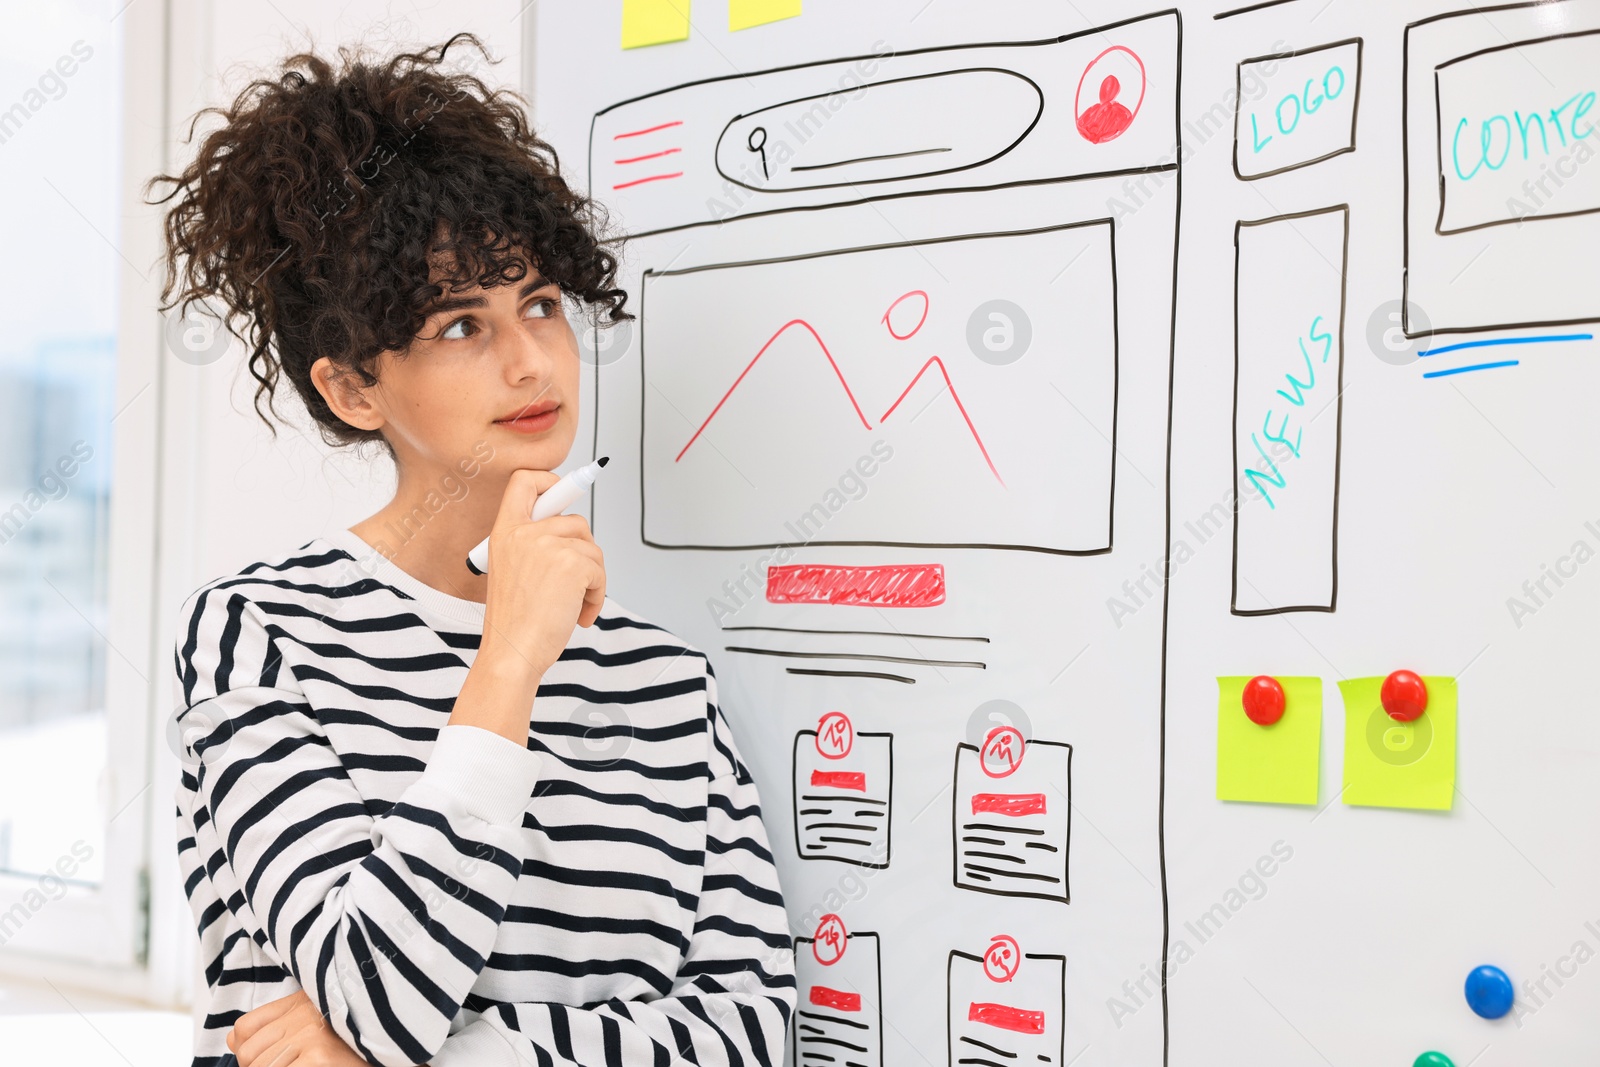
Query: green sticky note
x=1389, y=764
x=654, y=22
x=742, y=14
x=1274, y=764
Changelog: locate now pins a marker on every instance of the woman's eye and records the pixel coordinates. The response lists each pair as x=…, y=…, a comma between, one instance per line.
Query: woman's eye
x=447, y=335
x=545, y=308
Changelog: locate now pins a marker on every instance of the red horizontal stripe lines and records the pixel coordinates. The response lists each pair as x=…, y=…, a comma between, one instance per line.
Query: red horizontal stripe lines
x=823, y=997
x=1005, y=1017
x=1012, y=804
x=652, y=155
x=840, y=780
x=917, y=585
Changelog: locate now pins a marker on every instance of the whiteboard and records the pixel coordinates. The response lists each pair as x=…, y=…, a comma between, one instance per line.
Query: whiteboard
x=1008, y=378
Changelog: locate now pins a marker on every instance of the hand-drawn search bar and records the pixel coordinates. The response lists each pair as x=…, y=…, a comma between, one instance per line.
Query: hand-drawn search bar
x=881, y=131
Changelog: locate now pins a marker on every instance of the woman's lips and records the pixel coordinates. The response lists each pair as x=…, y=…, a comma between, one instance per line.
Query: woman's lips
x=532, y=423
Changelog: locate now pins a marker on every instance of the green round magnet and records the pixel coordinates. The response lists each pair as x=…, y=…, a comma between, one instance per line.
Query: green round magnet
x=1433, y=1059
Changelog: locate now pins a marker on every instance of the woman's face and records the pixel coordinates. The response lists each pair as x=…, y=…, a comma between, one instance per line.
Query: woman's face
x=496, y=366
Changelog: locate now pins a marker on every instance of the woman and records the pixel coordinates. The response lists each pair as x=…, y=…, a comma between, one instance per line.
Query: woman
x=403, y=837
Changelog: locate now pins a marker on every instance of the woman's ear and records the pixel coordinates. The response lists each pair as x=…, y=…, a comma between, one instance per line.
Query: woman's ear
x=348, y=399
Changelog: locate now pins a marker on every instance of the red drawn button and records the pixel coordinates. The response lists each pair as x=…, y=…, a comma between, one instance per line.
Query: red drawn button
x=829, y=943
x=1001, y=958
x=835, y=735
x=1002, y=751
x=1263, y=700
x=1404, y=696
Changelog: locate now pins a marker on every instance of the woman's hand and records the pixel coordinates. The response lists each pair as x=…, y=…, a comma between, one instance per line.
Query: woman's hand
x=545, y=578
x=289, y=1030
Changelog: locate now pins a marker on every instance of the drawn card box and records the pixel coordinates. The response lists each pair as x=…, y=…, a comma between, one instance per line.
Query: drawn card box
x=1011, y=825
x=842, y=793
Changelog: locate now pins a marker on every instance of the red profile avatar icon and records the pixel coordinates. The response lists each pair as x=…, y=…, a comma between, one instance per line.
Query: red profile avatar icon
x=1109, y=117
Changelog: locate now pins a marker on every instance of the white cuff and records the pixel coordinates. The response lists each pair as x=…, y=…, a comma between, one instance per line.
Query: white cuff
x=479, y=1044
x=490, y=775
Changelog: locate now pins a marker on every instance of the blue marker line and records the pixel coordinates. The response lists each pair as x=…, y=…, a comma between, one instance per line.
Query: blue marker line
x=1507, y=341
x=1474, y=366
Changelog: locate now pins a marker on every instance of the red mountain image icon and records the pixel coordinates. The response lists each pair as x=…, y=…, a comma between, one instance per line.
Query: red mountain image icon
x=849, y=394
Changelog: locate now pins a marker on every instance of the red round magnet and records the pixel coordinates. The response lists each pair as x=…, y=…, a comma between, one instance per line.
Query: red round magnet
x=1263, y=700
x=1404, y=696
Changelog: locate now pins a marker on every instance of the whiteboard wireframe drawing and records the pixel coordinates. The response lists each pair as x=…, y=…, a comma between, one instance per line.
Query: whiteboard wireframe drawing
x=1011, y=826
x=839, y=1017
x=843, y=793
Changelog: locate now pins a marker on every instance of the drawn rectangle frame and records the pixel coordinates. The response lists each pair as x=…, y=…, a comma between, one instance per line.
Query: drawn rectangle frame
x=1065, y=896
x=1438, y=113
x=888, y=826
x=1355, y=107
x=1406, y=325
x=1116, y=371
x=1338, y=416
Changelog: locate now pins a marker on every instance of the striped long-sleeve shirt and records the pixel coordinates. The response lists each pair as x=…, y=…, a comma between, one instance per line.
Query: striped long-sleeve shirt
x=603, y=896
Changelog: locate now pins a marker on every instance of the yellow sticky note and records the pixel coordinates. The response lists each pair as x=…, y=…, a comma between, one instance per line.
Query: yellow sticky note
x=1274, y=764
x=1389, y=764
x=654, y=22
x=742, y=14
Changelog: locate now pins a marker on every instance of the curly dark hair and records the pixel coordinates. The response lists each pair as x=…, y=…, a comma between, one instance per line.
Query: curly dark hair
x=320, y=209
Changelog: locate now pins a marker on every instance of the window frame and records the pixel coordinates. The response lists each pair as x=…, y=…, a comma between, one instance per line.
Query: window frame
x=96, y=937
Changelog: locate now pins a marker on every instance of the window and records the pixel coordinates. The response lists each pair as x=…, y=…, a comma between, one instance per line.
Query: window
x=64, y=729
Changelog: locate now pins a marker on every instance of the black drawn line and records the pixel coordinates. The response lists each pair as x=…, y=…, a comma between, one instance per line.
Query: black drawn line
x=991, y=1048
x=867, y=159
x=791, y=654
x=996, y=856
x=1011, y=874
x=806, y=1014
x=853, y=800
x=835, y=1041
x=853, y=674
x=857, y=633
x=1249, y=8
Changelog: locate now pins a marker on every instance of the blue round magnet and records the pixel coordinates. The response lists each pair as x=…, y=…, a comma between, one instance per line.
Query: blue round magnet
x=1489, y=992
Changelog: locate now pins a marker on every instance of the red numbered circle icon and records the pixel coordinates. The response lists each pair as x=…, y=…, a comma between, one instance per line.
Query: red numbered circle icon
x=829, y=943
x=1002, y=751
x=1110, y=93
x=835, y=735
x=1001, y=958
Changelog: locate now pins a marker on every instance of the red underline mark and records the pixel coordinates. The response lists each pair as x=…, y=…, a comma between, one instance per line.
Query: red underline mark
x=837, y=373
x=932, y=360
x=840, y=780
x=648, y=129
x=907, y=585
x=1011, y=804
x=652, y=155
x=823, y=997
x=652, y=178
x=1006, y=1017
